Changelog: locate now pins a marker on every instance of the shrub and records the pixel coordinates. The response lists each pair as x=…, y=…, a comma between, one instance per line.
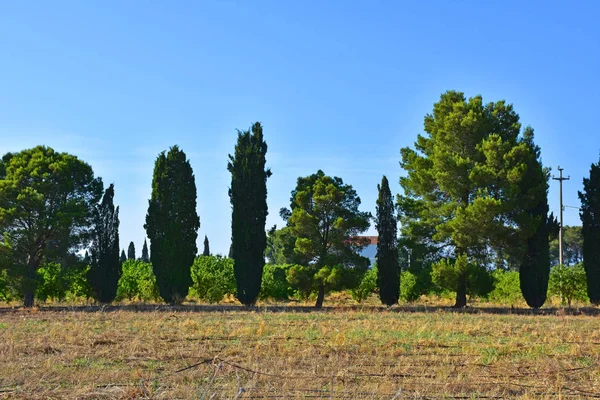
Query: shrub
x=568, y=283
x=409, y=287
x=137, y=281
x=58, y=281
x=212, y=278
x=507, y=289
x=274, y=282
x=367, y=286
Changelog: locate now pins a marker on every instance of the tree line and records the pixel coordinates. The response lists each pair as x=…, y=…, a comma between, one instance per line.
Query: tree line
x=474, y=204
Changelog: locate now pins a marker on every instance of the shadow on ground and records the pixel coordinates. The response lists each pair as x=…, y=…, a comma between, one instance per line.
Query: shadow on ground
x=204, y=308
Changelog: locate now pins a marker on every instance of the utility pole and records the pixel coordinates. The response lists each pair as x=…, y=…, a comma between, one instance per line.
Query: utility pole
x=560, y=233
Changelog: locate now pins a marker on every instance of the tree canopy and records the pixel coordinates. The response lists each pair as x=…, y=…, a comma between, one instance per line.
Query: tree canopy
x=463, y=192
x=47, y=203
x=387, y=246
x=248, y=197
x=172, y=224
x=590, y=218
x=326, y=223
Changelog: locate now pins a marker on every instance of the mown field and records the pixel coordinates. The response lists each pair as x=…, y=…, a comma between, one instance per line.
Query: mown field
x=228, y=352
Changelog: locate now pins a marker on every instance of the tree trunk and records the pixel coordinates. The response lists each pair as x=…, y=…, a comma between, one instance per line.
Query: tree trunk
x=320, y=297
x=30, y=282
x=461, y=292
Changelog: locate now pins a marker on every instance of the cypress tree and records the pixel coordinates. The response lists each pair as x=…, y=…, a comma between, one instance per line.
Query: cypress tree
x=106, y=267
x=172, y=224
x=536, y=226
x=248, y=197
x=123, y=257
x=206, y=251
x=131, y=251
x=590, y=219
x=387, y=250
x=145, y=255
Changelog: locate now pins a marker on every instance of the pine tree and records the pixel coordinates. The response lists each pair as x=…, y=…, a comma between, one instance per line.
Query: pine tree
x=145, y=255
x=248, y=196
x=106, y=267
x=590, y=219
x=206, y=251
x=123, y=257
x=172, y=224
x=387, y=247
x=131, y=251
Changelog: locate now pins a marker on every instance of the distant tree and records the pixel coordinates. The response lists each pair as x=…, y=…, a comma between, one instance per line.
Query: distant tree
x=131, y=251
x=206, y=251
x=590, y=218
x=105, y=267
x=449, y=274
x=572, y=246
x=145, y=255
x=123, y=257
x=464, y=192
x=387, y=246
x=326, y=222
x=86, y=258
x=47, y=203
x=248, y=196
x=172, y=224
x=280, y=246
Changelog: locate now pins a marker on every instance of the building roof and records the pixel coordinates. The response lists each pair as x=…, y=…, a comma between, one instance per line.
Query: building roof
x=372, y=239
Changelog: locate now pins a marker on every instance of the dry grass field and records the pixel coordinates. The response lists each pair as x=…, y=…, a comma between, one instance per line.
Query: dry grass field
x=228, y=352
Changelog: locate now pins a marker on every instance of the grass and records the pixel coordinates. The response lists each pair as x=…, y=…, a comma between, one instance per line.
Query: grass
x=370, y=352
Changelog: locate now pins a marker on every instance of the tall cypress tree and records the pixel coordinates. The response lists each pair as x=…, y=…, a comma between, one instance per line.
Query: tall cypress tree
x=145, y=255
x=387, y=247
x=131, y=251
x=590, y=219
x=206, y=251
x=106, y=268
x=172, y=224
x=248, y=196
x=123, y=257
x=536, y=226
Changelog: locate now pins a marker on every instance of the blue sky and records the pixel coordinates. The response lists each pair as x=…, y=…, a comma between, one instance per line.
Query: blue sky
x=338, y=85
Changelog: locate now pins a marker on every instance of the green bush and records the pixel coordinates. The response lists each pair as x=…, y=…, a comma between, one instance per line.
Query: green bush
x=409, y=287
x=58, y=282
x=137, y=282
x=568, y=283
x=367, y=285
x=446, y=274
x=507, y=289
x=274, y=282
x=212, y=278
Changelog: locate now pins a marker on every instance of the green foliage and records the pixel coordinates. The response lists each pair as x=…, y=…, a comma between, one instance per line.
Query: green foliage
x=472, y=183
x=137, y=282
x=326, y=223
x=507, y=288
x=449, y=274
x=590, y=218
x=572, y=246
x=123, y=257
x=409, y=287
x=172, y=224
x=106, y=266
x=367, y=286
x=213, y=277
x=387, y=246
x=274, y=282
x=61, y=281
x=47, y=202
x=131, y=251
x=569, y=283
x=248, y=197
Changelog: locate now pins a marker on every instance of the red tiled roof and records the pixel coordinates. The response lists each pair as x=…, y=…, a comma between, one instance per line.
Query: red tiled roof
x=372, y=239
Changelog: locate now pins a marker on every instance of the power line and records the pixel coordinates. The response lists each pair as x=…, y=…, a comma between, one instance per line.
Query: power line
x=560, y=234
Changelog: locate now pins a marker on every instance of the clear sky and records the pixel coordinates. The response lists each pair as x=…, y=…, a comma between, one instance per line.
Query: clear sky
x=338, y=85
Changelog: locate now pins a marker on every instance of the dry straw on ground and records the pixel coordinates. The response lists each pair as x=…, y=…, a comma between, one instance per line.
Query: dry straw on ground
x=229, y=353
